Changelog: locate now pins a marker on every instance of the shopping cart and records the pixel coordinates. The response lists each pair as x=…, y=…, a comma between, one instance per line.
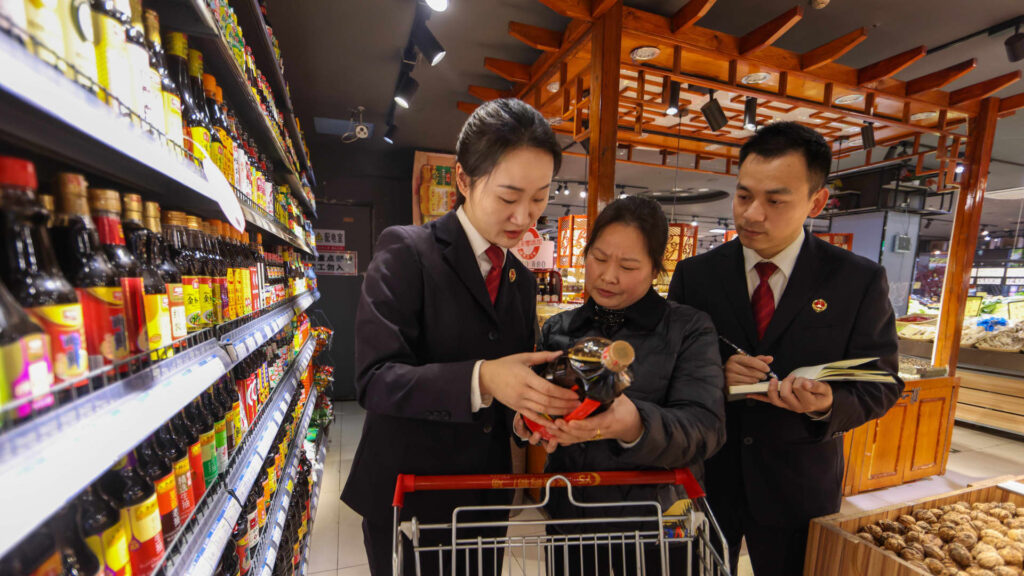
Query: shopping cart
x=646, y=530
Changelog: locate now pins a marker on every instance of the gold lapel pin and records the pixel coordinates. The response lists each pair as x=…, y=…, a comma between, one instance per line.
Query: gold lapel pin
x=819, y=305
x=511, y=274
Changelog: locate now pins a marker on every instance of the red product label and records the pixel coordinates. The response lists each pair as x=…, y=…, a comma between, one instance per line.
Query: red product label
x=147, y=540
x=68, y=350
x=241, y=546
x=110, y=230
x=254, y=526
x=167, y=501
x=249, y=394
x=51, y=567
x=254, y=288
x=195, y=462
x=135, y=313
x=183, y=487
x=106, y=329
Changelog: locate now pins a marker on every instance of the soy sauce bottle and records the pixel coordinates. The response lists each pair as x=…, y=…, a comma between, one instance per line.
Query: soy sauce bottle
x=175, y=450
x=168, y=271
x=156, y=307
x=36, y=555
x=158, y=470
x=100, y=524
x=219, y=416
x=189, y=432
x=76, y=557
x=26, y=369
x=200, y=418
x=135, y=496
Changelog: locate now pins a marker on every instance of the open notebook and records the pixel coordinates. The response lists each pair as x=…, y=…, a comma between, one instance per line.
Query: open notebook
x=834, y=371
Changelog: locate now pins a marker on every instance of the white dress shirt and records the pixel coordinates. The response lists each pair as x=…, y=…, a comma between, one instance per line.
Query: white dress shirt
x=479, y=244
x=785, y=261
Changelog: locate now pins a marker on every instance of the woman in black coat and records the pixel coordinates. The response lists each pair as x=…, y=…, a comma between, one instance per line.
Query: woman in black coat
x=445, y=336
x=673, y=413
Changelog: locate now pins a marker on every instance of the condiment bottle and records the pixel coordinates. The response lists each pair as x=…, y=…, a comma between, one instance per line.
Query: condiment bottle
x=156, y=304
x=135, y=496
x=168, y=271
x=104, y=532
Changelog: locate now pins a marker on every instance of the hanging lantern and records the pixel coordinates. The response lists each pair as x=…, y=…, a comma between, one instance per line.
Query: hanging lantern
x=682, y=243
x=572, y=237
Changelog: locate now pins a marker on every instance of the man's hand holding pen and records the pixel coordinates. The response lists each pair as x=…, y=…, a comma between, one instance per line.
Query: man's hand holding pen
x=795, y=394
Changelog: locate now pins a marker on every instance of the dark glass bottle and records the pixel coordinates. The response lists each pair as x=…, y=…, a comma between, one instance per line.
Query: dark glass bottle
x=198, y=415
x=194, y=128
x=29, y=268
x=219, y=416
x=156, y=304
x=175, y=449
x=169, y=91
x=170, y=273
x=135, y=496
x=36, y=554
x=100, y=524
x=76, y=557
x=195, y=77
x=159, y=470
x=189, y=432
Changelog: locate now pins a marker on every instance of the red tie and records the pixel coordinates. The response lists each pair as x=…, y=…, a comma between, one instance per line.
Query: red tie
x=493, y=279
x=763, y=300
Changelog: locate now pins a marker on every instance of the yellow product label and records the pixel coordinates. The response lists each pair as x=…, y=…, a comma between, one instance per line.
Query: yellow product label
x=233, y=420
x=154, y=98
x=206, y=301
x=217, y=154
x=112, y=67
x=181, y=467
x=144, y=519
x=79, y=40
x=111, y=549
x=201, y=136
x=178, y=45
x=172, y=118
x=68, y=350
x=233, y=294
x=193, y=303
x=218, y=317
x=195, y=63
x=176, y=300
x=227, y=155
x=45, y=28
x=158, y=321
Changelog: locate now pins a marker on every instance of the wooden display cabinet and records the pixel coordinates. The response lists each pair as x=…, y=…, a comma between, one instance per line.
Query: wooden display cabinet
x=909, y=443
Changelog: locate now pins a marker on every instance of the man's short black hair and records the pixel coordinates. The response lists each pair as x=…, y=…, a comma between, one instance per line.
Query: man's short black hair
x=781, y=138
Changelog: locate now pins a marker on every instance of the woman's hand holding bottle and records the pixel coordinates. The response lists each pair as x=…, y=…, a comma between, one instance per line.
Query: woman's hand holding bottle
x=511, y=381
x=621, y=421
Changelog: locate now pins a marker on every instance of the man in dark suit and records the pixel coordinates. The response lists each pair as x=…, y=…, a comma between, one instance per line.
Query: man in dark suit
x=791, y=300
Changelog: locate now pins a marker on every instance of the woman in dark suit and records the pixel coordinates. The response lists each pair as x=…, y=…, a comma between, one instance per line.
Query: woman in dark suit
x=445, y=335
x=673, y=413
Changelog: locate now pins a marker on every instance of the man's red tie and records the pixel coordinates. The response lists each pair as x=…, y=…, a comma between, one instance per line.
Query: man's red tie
x=493, y=279
x=763, y=299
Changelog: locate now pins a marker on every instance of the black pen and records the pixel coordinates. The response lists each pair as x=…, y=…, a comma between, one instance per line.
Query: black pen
x=744, y=353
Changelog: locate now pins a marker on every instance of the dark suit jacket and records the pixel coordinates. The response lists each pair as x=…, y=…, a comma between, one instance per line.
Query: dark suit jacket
x=789, y=467
x=423, y=321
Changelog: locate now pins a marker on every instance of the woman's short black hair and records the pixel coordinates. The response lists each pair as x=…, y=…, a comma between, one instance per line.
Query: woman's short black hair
x=497, y=127
x=643, y=214
x=781, y=138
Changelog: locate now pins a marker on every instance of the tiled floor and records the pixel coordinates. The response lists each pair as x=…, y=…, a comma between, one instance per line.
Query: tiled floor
x=337, y=545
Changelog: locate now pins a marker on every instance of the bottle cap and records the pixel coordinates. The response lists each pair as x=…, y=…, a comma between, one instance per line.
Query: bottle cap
x=192, y=222
x=151, y=210
x=218, y=94
x=17, y=172
x=47, y=200
x=132, y=204
x=618, y=356
x=104, y=199
x=209, y=84
x=72, y=189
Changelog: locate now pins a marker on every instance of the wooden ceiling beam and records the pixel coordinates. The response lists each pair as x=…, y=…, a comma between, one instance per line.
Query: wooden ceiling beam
x=467, y=107
x=767, y=33
x=690, y=13
x=511, y=71
x=1011, y=104
x=940, y=78
x=831, y=51
x=599, y=7
x=983, y=89
x=576, y=9
x=487, y=94
x=890, y=66
x=535, y=36
x=630, y=161
x=576, y=36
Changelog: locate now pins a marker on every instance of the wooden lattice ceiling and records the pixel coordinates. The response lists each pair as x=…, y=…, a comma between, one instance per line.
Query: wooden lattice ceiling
x=810, y=88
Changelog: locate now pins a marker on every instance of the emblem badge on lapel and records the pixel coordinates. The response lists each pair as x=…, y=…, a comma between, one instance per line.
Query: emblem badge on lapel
x=819, y=305
x=512, y=275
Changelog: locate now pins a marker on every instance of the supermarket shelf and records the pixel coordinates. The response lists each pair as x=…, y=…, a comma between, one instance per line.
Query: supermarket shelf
x=299, y=193
x=44, y=110
x=271, y=226
x=63, y=451
x=200, y=553
x=315, y=485
x=266, y=554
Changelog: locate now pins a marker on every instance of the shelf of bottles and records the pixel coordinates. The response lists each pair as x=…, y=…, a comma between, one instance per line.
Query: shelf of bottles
x=136, y=122
x=317, y=483
x=201, y=544
x=267, y=552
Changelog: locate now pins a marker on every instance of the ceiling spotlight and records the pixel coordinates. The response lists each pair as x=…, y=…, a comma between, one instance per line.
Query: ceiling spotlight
x=713, y=113
x=406, y=90
x=750, y=114
x=673, y=98
x=644, y=53
x=959, y=168
x=693, y=222
x=553, y=86
x=622, y=196
x=426, y=43
x=756, y=78
x=438, y=5
x=867, y=134
x=1015, y=45
x=583, y=193
x=389, y=136
x=849, y=99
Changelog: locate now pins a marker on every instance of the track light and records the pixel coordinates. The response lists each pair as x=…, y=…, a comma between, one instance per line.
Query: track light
x=750, y=114
x=693, y=222
x=389, y=136
x=406, y=90
x=713, y=113
x=867, y=135
x=583, y=193
x=438, y=5
x=959, y=169
x=1015, y=45
x=673, y=99
x=426, y=43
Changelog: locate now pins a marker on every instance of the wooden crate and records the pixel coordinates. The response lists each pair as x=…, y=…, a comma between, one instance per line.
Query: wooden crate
x=833, y=548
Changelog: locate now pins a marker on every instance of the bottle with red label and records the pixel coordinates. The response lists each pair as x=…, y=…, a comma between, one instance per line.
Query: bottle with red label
x=240, y=537
x=85, y=265
x=156, y=304
x=202, y=270
x=180, y=251
x=106, y=212
x=188, y=431
x=25, y=367
x=197, y=414
x=168, y=271
x=36, y=555
x=100, y=524
x=135, y=496
x=252, y=519
x=175, y=450
x=76, y=556
x=159, y=470
x=219, y=415
x=217, y=244
x=29, y=268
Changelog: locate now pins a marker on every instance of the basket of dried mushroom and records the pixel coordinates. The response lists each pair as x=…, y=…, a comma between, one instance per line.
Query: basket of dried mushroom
x=978, y=531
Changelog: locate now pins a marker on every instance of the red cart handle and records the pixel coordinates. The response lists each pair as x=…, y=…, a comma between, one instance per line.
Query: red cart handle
x=408, y=483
